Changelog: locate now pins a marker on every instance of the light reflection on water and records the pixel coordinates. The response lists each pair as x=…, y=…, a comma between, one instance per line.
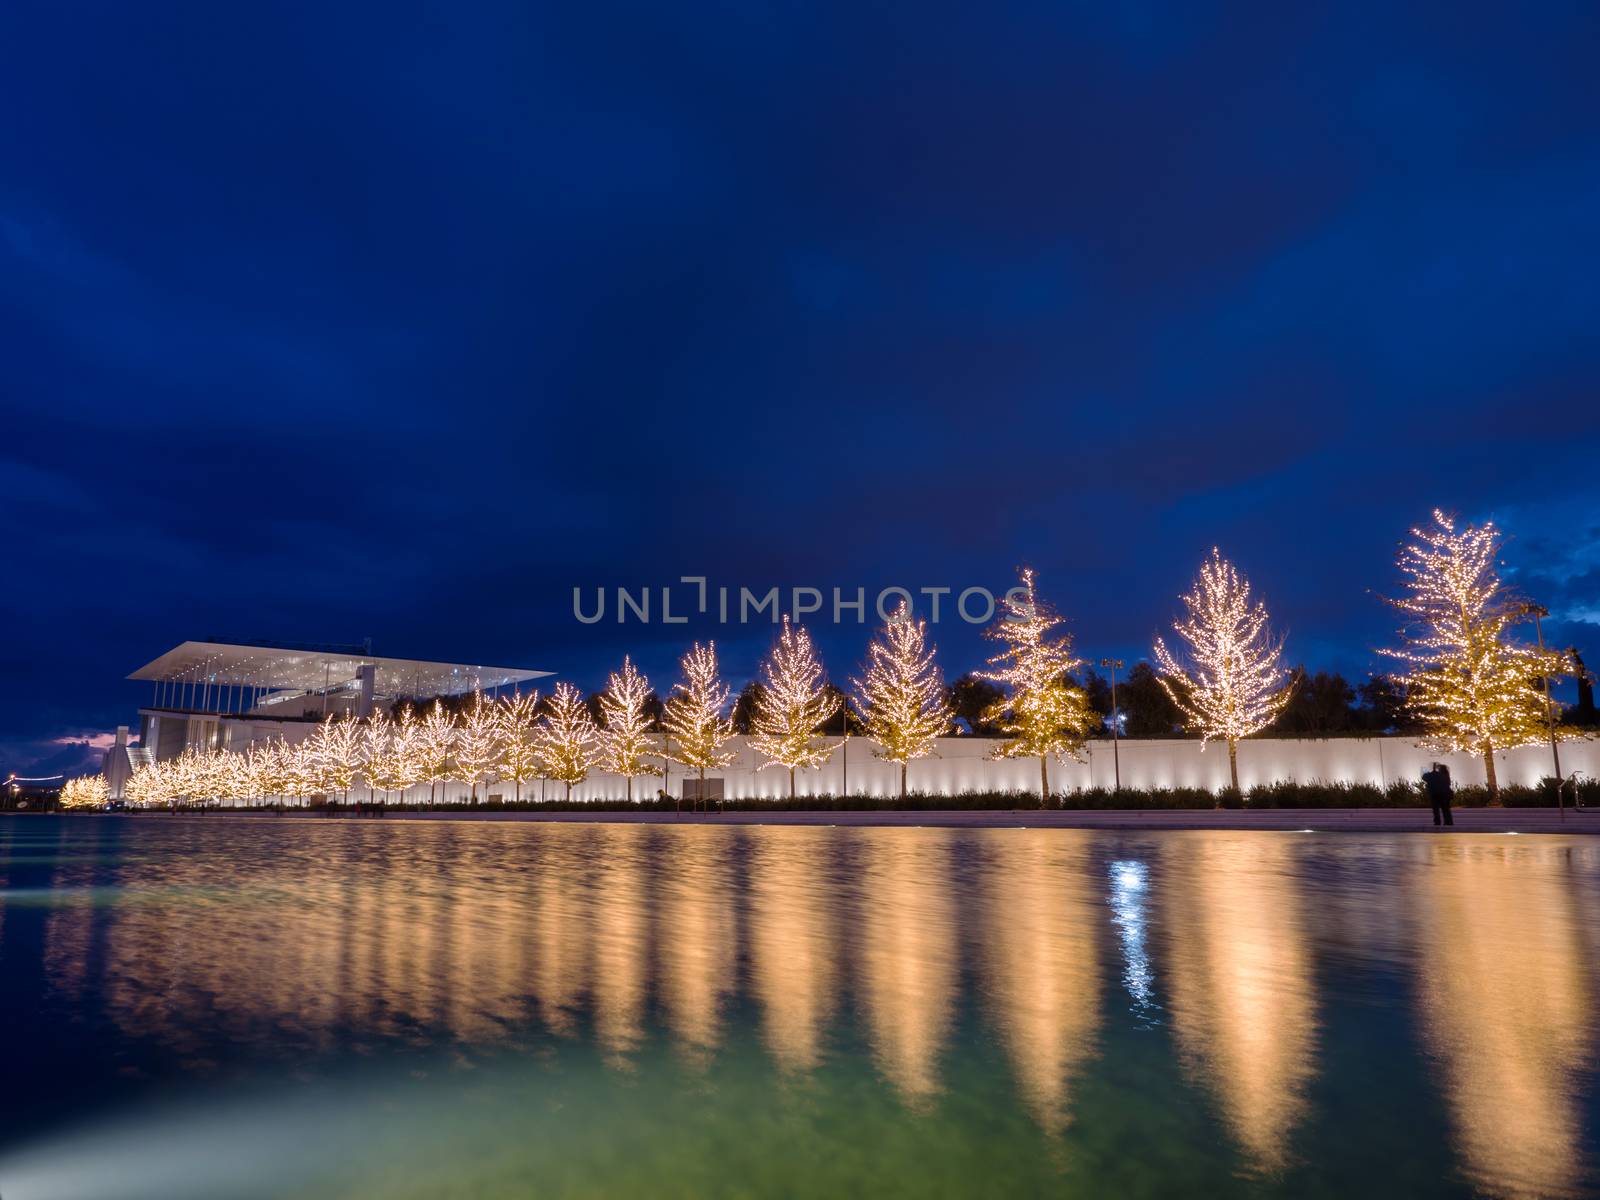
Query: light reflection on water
x=926, y=1011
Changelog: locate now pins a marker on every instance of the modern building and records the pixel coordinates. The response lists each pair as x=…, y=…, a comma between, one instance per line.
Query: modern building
x=226, y=696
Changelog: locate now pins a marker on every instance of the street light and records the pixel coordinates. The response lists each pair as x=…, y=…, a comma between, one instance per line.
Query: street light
x=1115, y=665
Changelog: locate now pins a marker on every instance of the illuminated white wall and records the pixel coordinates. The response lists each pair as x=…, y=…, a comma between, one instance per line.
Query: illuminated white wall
x=962, y=764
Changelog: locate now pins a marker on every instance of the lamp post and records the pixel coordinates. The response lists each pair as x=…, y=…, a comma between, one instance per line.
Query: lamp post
x=1115, y=665
x=1537, y=612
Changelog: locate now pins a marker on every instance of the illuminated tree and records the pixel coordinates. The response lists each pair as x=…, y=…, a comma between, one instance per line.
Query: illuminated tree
x=376, y=736
x=792, y=705
x=902, y=699
x=566, y=738
x=299, y=769
x=147, y=787
x=1045, y=713
x=255, y=773
x=435, y=747
x=228, y=778
x=185, y=776
x=86, y=791
x=519, y=755
x=693, y=716
x=477, y=743
x=335, y=749
x=393, y=760
x=1233, y=683
x=1469, y=684
x=626, y=739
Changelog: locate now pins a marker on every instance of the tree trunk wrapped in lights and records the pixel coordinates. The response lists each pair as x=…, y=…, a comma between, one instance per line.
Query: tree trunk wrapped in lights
x=792, y=705
x=376, y=737
x=694, y=719
x=255, y=772
x=477, y=744
x=436, y=747
x=1045, y=713
x=902, y=699
x=335, y=748
x=626, y=740
x=402, y=763
x=518, y=755
x=1234, y=682
x=566, y=738
x=148, y=787
x=86, y=791
x=1469, y=684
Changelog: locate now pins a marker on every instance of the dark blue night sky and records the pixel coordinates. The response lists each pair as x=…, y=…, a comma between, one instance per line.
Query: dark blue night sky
x=324, y=321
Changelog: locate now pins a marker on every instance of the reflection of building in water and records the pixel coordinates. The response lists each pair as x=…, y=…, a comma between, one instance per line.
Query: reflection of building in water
x=1507, y=1008
x=621, y=938
x=696, y=936
x=1042, y=961
x=792, y=941
x=908, y=953
x=1241, y=984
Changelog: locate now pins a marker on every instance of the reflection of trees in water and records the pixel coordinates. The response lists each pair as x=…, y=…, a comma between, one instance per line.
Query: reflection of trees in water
x=1507, y=1007
x=792, y=940
x=908, y=970
x=1239, y=975
x=621, y=923
x=559, y=928
x=696, y=935
x=1041, y=958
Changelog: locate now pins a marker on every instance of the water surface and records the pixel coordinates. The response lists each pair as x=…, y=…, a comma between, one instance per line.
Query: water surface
x=228, y=1007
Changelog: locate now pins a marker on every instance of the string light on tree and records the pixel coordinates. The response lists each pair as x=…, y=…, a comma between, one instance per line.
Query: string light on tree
x=376, y=736
x=1045, y=713
x=147, y=787
x=336, y=752
x=693, y=718
x=902, y=698
x=792, y=705
x=626, y=739
x=84, y=792
x=404, y=761
x=1472, y=687
x=1233, y=683
x=513, y=724
x=436, y=745
x=477, y=750
x=566, y=738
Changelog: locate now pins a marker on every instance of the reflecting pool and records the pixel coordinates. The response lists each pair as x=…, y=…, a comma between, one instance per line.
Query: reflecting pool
x=214, y=1007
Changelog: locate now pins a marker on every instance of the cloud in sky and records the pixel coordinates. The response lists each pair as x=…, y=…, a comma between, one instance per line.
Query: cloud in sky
x=316, y=324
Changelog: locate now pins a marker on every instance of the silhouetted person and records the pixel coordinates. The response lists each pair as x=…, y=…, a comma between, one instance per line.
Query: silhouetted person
x=1440, y=793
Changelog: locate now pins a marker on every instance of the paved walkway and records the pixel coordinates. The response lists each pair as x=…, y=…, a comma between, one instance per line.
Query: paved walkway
x=1321, y=820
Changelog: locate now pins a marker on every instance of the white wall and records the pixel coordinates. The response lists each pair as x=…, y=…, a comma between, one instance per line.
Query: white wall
x=962, y=764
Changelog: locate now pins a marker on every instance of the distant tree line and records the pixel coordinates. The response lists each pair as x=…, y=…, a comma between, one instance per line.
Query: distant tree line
x=1323, y=704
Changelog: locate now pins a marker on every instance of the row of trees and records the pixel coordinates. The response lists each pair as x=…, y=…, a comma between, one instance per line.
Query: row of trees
x=1465, y=683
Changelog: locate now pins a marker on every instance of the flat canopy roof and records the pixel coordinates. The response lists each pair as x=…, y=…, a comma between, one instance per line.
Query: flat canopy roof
x=275, y=667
